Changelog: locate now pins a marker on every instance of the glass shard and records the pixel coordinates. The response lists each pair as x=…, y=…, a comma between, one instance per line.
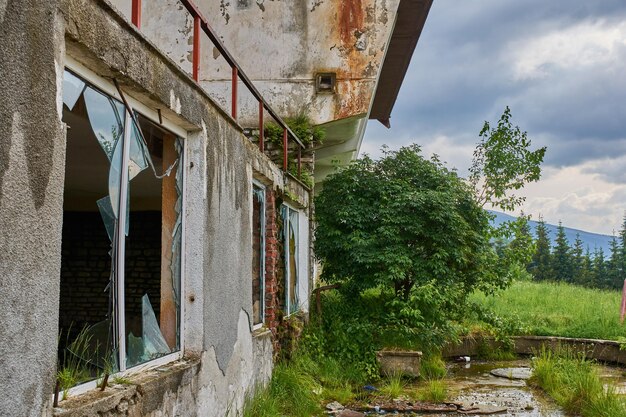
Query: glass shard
x=151, y=344
x=108, y=216
x=293, y=261
x=105, y=116
x=72, y=89
x=138, y=154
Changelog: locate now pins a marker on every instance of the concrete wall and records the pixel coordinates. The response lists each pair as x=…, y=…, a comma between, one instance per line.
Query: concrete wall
x=226, y=359
x=32, y=154
x=282, y=45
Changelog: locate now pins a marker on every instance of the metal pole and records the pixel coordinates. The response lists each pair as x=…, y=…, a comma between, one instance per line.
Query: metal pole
x=136, y=13
x=234, y=98
x=261, y=132
x=196, y=47
x=285, y=149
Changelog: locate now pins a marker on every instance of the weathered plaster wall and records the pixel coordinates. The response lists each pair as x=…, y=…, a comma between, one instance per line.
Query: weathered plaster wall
x=281, y=46
x=219, y=168
x=32, y=155
x=196, y=387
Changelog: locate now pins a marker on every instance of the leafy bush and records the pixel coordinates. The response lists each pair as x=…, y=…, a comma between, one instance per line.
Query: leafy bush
x=300, y=125
x=399, y=223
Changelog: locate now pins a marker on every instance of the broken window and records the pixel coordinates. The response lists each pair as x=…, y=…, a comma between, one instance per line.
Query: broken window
x=258, y=253
x=290, y=240
x=121, y=242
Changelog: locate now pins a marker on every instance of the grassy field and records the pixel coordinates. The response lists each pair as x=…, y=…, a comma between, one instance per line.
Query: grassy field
x=552, y=309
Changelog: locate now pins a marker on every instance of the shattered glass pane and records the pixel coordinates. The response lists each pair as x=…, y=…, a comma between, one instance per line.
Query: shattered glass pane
x=178, y=227
x=293, y=261
x=138, y=154
x=151, y=344
x=258, y=251
x=108, y=217
x=93, y=346
x=72, y=89
x=106, y=119
x=115, y=175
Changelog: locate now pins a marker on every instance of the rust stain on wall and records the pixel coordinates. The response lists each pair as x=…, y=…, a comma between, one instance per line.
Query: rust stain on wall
x=350, y=20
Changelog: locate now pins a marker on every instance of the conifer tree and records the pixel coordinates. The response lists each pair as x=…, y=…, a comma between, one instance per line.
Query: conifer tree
x=599, y=269
x=613, y=266
x=622, y=249
x=540, y=265
x=578, y=258
x=585, y=275
x=562, y=257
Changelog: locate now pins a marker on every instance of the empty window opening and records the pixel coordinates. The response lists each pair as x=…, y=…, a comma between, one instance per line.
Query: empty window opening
x=120, y=272
x=258, y=254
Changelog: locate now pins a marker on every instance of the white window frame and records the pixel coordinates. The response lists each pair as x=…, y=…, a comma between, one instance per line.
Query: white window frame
x=287, y=273
x=258, y=184
x=109, y=88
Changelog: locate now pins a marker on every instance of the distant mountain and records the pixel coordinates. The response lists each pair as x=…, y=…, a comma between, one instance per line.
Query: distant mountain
x=590, y=240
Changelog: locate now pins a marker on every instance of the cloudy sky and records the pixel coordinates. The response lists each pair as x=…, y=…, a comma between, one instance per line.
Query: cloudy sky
x=560, y=65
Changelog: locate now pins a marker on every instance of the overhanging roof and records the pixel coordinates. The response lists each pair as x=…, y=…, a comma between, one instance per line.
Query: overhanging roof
x=410, y=21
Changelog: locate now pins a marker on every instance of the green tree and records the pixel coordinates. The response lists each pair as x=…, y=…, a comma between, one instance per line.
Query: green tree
x=562, y=268
x=541, y=264
x=400, y=223
x=578, y=259
x=599, y=269
x=622, y=249
x=585, y=276
x=502, y=163
x=614, y=266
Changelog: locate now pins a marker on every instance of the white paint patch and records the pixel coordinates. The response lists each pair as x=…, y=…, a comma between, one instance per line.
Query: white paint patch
x=3, y=9
x=59, y=69
x=175, y=102
x=205, y=143
x=585, y=44
x=223, y=393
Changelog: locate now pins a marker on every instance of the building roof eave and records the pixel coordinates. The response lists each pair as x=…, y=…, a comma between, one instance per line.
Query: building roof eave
x=410, y=20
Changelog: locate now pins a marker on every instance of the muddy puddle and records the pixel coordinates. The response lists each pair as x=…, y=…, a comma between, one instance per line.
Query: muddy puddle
x=473, y=383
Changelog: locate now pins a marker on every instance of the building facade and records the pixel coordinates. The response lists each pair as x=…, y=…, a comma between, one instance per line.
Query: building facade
x=147, y=233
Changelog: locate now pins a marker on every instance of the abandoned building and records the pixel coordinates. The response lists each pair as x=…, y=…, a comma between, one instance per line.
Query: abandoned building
x=156, y=197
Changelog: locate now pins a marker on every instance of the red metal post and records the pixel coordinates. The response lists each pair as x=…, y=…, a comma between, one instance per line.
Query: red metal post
x=299, y=161
x=196, y=48
x=234, y=98
x=261, y=128
x=285, y=150
x=136, y=13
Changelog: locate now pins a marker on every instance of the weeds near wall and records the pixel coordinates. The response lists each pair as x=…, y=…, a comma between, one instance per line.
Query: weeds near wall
x=74, y=369
x=574, y=384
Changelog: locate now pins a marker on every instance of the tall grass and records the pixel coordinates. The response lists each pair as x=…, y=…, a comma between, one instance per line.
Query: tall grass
x=559, y=309
x=574, y=384
x=302, y=385
x=435, y=391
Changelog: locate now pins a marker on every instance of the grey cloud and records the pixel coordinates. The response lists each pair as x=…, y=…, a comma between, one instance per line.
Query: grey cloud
x=460, y=77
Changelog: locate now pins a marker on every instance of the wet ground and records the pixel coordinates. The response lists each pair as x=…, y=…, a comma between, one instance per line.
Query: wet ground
x=473, y=384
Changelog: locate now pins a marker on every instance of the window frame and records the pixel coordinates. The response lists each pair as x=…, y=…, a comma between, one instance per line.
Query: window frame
x=287, y=273
x=263, y=214
x=108, y=88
